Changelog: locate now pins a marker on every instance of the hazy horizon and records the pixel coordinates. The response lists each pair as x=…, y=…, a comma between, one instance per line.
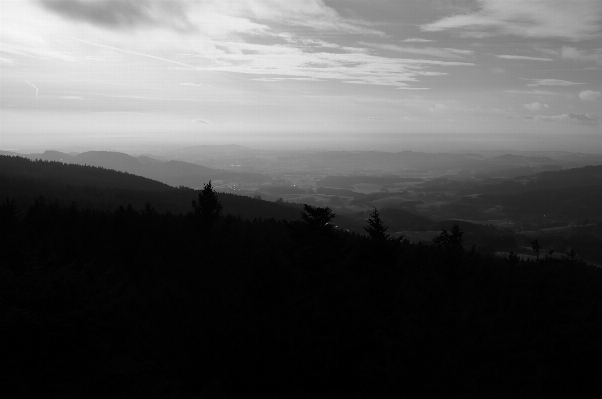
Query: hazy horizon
x=434, y=143
x=387, y=75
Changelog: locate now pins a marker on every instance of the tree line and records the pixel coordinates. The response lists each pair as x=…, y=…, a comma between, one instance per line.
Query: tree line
x=140, y=303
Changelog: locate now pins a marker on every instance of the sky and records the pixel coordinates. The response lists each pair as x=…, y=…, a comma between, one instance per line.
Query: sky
x=362, y=74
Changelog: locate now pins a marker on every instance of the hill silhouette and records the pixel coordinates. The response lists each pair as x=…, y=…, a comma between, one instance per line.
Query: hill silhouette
x=174, y=173
x=135, y=302
x=568, y=178
x=57, y=172
x=24, y=180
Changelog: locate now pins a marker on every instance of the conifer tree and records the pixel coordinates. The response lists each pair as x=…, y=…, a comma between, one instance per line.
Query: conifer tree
x=207, y=207
x=376, y=228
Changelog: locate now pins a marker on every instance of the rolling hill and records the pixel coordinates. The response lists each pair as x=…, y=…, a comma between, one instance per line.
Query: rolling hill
x=173, y=173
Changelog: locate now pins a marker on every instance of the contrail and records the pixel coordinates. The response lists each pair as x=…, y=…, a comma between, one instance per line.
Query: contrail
x=131, y=52
x=144, y=55
x=34, y=86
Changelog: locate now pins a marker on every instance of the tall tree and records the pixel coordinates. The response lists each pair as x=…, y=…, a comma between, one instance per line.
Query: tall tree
x=376, y=228
x=207, y=207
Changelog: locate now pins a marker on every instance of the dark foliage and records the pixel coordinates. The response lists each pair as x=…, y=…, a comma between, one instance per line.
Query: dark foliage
x=376, y=229
x=133, y=302
x=207, y=208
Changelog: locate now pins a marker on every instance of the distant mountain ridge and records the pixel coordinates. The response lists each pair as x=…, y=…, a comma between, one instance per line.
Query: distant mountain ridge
x=575, y=177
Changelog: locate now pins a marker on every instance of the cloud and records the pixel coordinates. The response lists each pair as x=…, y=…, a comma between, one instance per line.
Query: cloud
x=522, y=57
x=417, y=40
x=498, y=70
x=291, y=61
x=310, y=13
x=570, y=118
x=428, y=51
x=124, y=13
x=71, y=98
x=202, y=121
x=590, y=95
x=281, y=79
x=535, y=106
x=572, y=53
x=6, y=61
x=573, y=20
x=208, y=16
x=531, y=92
x=551, y=82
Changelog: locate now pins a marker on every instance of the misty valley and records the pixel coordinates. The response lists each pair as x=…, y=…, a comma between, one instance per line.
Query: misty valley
x=300, y=274
x=502, y=200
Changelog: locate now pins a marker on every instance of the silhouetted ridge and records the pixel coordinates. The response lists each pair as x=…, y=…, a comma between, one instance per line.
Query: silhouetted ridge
x=174, y=173
x=75, y=175
x=575, y=177
x=93, y=187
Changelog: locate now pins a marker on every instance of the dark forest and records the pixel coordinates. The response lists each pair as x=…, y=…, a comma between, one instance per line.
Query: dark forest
x=112, y=285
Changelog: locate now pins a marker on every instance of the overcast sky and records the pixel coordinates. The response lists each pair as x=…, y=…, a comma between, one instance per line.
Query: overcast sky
x=387, y=74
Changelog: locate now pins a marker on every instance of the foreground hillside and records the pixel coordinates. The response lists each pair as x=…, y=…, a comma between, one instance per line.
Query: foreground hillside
x=138, y=303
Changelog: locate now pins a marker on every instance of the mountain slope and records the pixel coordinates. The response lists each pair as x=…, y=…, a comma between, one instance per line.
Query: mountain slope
x=25, y=180
x=174, y=173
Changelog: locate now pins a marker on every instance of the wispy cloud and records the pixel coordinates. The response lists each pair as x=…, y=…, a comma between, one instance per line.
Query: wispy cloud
x=417, y=40
x=572, y=53
x=282, y=79
x=522, y=57
x=290, y=61
x=535, y=106
x=572, y=20
x=202, y=121
x=590, y=95
x=124, y=13
x=569, y=118
x=531, y=92
x=551, y=82
x=6, y=61
x=426, y=51
x=191, y=15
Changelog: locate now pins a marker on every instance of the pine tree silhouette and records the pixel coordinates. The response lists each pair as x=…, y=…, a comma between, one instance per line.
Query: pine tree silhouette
x=207, y=207
x=376, y=228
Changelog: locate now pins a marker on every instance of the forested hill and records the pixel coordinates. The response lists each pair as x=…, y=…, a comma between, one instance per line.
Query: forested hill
x=568, y=178
x=138, y=303
x=174, y=173
x=24, y=180
x=75, y=175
